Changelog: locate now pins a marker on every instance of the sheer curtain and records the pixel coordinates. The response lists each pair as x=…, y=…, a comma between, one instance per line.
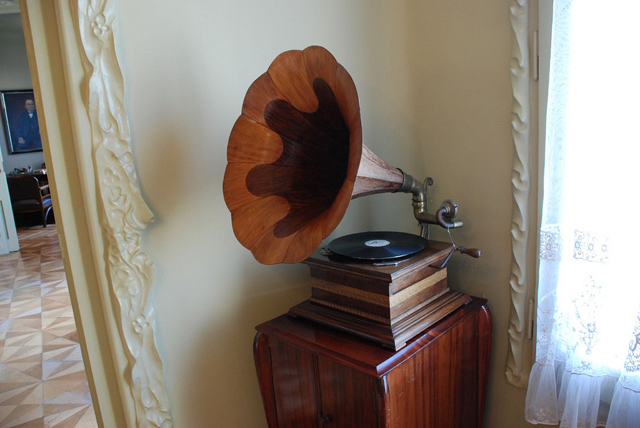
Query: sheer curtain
x=587, y=369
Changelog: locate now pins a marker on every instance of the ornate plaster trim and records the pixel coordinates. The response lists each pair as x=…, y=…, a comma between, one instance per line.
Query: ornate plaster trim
x=124, y=213
x=517, y=371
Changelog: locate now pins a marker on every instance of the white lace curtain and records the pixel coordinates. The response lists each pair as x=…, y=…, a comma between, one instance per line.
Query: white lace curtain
x=587, y=369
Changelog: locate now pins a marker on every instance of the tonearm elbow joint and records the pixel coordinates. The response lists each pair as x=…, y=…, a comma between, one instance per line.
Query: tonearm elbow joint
x=444, y=216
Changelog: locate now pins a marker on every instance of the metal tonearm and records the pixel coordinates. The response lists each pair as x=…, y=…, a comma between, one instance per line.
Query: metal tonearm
x=443, y=216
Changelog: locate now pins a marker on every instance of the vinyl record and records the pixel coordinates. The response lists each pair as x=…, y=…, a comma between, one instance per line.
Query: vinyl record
x=377, y=245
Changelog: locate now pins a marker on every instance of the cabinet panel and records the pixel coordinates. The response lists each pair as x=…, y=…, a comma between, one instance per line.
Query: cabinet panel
x=348, y=398
x=438, y=387
x=294, y=386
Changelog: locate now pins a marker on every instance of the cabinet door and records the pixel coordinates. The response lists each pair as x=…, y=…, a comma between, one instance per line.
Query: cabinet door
x=439, y=386
x=312, y=391
x=348, y=398
x=294, y=386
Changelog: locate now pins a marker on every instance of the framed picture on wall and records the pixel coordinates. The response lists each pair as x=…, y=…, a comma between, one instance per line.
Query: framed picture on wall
x=21, y=121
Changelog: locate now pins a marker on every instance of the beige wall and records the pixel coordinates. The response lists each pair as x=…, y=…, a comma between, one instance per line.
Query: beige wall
x=435, y=93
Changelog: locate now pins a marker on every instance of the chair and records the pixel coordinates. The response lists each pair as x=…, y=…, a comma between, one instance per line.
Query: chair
x=27, y=196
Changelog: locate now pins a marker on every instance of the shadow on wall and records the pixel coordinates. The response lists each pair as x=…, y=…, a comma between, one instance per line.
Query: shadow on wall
x=223, y=373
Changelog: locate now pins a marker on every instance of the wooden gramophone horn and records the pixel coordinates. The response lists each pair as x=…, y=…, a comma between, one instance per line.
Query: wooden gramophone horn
x=295, y=157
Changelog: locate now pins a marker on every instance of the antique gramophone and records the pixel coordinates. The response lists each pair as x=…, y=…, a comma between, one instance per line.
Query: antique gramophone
x=295, y=160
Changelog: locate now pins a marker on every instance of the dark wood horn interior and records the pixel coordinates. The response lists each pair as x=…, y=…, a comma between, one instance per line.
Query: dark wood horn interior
x=314, y=160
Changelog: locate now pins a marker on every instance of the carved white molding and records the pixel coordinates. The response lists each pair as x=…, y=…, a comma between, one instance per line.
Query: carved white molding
x=517, y=370
x=124, y=213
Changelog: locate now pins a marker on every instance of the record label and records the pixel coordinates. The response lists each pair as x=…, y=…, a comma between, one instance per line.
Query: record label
x=377, y=243
x=374, y=246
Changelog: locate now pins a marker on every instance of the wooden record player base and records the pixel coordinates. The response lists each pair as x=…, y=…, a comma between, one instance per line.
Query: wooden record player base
x=313, y=376
x=394, y=333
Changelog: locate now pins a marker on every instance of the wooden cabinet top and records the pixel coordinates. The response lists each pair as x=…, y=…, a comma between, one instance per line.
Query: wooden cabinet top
x=362, y=354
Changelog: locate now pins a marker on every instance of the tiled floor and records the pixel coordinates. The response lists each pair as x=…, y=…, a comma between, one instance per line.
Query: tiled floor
x=42, y=378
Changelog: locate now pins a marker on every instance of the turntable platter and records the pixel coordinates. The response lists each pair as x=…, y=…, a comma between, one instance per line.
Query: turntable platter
x=377, y=245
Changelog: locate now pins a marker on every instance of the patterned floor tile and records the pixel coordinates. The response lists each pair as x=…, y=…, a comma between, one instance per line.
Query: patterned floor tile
x=27, y=322
x=20, y=393
x=20, y=414
x=61, y=352
x=42, y=379
x=67, y=416
x=38, y=423
x=22, y=338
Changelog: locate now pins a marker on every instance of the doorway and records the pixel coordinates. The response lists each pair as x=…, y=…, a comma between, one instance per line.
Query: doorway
x=42, y=374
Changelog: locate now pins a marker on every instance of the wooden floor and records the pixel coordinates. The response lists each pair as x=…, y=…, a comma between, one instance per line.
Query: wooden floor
x=42, y=377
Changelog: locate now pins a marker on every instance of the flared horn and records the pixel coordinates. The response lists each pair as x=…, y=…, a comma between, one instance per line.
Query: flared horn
x=295, y=158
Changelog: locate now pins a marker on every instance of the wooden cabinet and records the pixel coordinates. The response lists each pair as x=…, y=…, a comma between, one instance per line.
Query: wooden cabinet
x=315, y=376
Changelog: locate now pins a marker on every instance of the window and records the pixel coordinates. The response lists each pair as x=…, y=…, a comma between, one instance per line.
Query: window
x=587, y=369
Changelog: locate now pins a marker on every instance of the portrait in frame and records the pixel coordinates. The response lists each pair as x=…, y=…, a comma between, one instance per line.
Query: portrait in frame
x=20, y=118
